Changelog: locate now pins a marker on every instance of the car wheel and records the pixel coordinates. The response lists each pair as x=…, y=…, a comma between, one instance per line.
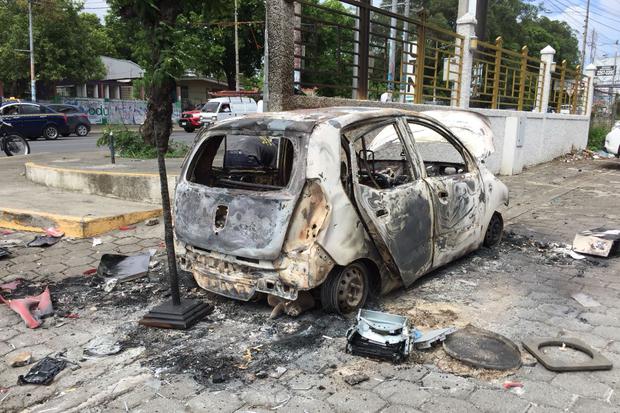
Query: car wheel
x=81, y=130
x=495, y=230
x=346, y=288
x=51, y=132
x=189, y=130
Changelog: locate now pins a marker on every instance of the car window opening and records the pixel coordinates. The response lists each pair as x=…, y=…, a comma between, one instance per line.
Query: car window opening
x=261, y=163
x=381, y=159
x=440, y=157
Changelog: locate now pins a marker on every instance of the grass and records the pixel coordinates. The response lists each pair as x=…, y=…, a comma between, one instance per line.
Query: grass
x=596, y=137
x=129, y=144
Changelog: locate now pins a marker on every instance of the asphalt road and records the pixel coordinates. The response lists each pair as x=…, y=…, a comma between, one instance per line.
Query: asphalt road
x=88, y=143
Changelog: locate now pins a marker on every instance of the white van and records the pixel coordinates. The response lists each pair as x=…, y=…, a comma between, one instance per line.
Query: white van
x=226, y=107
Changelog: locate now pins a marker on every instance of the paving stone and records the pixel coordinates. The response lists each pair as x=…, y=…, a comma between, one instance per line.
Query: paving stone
x=545, y=394
x=315, y=386
x=598, y=319
x=127, y=241
x=402, y=392
x=399, y=408
x=583, y=384
x=413, y=374
x=490, y=401
x=448, y=384
x=302, y=404
x=265, y=395
x=612, y=333
x=583, y=405
x=130, y=249
x=355, y=401
x=162, y=405
x=448, y=404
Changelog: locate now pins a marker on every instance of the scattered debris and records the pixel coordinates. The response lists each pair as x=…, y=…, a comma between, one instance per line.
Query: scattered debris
x=90, y=271
x=355, y=378
x=511, y=384
x=380, y=335
x=6, y=232
x=151, y=222
x=585, y=300
x=482, y=348
x=32, y=309
x=427, y=339
x=123, y=267
x=19, y=359
x=110, y=284
x=97, y=241
x=102, y=346
x=293, y=308
x=10, y=286
x=278, y=372
x=261, y=374
x=10, y=242
x=43, y=372
x=599, y=241
x=596, y=360
x=568, y=251
x=127, y=227
x=4, y=253
x=43, y=241
x=54, y=232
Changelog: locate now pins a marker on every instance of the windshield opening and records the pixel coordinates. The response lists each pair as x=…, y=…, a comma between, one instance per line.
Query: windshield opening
x=211, y=107
x=262, y=163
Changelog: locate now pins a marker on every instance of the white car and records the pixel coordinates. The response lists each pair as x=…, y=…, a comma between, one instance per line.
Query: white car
x=612, y=140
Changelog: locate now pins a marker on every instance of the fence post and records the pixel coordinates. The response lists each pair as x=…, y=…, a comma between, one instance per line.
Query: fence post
x=466, y=27
x=546, y=56
x=590, y=72
x=522, y=77
x=420, y=59
x=561, y=92
x=497, y=71
x=573, y=98
x=279, y=54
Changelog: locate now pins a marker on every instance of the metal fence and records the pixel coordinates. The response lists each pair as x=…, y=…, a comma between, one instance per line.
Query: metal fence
x=351, y=49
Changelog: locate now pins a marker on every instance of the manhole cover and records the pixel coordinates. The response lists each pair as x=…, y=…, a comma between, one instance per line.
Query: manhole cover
x=482, y=348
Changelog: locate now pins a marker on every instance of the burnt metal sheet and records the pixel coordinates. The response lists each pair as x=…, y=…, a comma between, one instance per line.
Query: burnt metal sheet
x=597, y=360
x=123, y=267
x=599, y=241
x=472, y=129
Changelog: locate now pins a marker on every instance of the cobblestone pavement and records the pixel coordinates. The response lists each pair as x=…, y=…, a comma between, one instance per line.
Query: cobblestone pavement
x=238, y=360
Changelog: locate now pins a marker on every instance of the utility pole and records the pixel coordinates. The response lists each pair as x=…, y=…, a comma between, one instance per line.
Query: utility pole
x=585, y=37
x=33, y=86
x=236, y=50
x=593, y=46
x=392, y=52
x=612, y=111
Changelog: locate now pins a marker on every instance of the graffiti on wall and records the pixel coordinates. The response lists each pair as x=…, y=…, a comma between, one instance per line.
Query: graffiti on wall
x=112, y=111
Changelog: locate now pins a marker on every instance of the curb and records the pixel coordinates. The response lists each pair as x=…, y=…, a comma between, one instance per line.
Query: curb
x=72, y=226
x=130, y=186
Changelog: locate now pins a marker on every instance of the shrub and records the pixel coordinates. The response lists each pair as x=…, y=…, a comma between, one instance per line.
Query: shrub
x=596, y=137
x=129, y=144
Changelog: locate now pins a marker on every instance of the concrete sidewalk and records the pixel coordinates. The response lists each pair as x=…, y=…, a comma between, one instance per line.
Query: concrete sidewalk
x=25, y=205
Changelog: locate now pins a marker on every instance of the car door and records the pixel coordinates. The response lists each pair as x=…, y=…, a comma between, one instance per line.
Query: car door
x=392, y=199
x=456, y=189
x=32, y=119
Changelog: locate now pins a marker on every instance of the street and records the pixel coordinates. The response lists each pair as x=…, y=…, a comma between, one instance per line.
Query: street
x=88, y=143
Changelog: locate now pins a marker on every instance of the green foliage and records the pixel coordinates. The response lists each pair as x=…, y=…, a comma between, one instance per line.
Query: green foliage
x=596, y=137
x=66, y=43
x=129, y=144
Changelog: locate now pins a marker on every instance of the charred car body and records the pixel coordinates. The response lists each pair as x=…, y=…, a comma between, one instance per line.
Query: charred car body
x=341, y=201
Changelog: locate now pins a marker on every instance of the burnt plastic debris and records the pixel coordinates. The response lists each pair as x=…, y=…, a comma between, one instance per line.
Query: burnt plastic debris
x=43, y=241
x=483, y=349
x=123, y=267
x=43, y=372
x=4, y=253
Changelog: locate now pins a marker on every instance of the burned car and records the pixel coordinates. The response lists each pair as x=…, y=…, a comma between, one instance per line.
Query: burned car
x=342, y=202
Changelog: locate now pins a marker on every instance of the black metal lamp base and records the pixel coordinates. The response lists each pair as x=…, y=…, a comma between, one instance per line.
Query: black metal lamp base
x=180, y=317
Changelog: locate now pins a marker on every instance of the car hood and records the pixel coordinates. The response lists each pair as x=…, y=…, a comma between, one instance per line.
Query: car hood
x=471, y=128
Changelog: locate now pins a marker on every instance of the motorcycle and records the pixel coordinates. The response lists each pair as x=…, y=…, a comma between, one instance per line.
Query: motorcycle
x=12, y=143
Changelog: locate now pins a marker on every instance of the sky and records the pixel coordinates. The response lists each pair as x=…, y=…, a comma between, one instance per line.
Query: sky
x=604, y=19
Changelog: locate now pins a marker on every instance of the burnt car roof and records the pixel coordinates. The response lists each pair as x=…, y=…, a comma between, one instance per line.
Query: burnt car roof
x=304, y=120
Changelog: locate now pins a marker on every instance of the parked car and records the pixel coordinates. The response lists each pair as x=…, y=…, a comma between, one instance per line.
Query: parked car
x=33, y=120
x=612, y=140
x=77, y=119
x=190, y=120
x=227, y=107
x=341, y=202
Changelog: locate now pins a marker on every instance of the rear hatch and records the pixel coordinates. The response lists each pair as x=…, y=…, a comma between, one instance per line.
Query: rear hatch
x=238, y=191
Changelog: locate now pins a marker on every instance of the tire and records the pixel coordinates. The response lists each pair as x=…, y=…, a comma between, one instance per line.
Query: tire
x=189, y=130
x=493, y=236
x=81, y=130
x=50, y=133
x=15, y=145
x=346, y=288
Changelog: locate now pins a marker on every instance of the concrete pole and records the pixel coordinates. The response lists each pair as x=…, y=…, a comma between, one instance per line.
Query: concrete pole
x=546, y=56
x=33, y=82
x=392, y=61
x=405, y=54
x=466, y=27
x=236, y=50
x=590, y=72
x=279, y=62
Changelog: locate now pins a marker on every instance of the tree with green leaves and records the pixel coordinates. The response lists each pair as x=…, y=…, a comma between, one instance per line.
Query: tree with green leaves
x=67, y=45
x=161, y=22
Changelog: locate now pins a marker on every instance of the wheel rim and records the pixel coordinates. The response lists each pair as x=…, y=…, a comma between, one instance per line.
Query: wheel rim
x=81, y=130
x=350, y=289
x=16, y=146
x=51, y=133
